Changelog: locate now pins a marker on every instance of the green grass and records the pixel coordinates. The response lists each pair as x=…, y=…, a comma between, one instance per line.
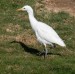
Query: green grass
x=21, y=57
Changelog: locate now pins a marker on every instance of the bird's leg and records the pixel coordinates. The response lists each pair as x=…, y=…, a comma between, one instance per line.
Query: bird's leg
x=46, y=51
x=54, y=45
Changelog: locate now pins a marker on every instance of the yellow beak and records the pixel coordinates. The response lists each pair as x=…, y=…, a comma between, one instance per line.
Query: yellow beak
x=19, y=9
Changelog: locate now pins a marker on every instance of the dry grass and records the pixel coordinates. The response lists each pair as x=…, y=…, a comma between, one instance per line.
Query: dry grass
x=12, y=28
x=28, y=38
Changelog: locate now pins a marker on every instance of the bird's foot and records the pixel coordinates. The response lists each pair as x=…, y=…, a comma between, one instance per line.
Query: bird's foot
x=41, y=53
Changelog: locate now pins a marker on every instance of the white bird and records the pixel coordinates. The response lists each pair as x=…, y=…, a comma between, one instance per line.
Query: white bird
x=44, y=33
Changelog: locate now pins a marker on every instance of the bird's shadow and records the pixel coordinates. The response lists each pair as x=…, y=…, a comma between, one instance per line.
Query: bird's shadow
x=32, y=50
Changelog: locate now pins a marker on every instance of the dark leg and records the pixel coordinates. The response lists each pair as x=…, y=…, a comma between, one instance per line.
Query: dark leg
x=54, y=45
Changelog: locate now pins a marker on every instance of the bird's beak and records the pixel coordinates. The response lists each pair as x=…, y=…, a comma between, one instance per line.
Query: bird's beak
x=20, y=9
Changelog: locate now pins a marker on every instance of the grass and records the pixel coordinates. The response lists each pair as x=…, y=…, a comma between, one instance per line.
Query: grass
x=21, y=57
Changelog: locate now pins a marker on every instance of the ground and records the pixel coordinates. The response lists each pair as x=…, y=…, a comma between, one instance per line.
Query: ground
x=19, y=49
x=60, y=5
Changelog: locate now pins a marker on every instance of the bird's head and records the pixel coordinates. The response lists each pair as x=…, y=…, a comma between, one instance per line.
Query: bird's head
x=26, y=8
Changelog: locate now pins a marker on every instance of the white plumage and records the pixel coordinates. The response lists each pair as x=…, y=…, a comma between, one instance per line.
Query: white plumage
x=44, y=33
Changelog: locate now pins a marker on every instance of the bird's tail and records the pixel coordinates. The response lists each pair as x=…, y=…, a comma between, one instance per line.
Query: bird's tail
x=61, y=43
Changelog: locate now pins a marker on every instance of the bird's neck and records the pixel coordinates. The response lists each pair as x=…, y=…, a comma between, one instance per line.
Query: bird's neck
x=33, y=21
x=31, y=17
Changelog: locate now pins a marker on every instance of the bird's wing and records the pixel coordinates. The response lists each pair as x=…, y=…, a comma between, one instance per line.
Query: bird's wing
x=46, y=32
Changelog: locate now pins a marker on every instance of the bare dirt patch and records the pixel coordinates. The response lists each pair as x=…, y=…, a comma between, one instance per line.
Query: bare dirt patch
x=59, y=5
x=12, y=28
x=6, y=38
x=28, y=38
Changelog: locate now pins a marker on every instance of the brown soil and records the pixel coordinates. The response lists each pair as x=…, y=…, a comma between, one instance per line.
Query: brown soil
x=60, y=5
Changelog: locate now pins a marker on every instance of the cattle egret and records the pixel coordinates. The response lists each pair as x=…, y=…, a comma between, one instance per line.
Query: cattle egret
x=44, y=33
